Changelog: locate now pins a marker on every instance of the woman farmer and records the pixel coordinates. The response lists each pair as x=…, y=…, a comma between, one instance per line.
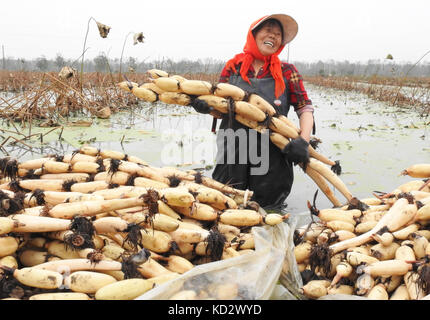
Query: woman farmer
x=258, y=70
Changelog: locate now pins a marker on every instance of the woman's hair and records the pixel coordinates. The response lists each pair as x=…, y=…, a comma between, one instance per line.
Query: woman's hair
x=269, y=22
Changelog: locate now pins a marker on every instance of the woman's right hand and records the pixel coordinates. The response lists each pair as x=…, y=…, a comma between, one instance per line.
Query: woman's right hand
x=201, y=106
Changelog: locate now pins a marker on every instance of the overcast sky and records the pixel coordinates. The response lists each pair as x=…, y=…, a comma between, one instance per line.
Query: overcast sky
x=200, y=29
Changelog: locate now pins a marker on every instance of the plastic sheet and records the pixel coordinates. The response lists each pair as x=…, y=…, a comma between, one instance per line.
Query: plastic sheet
x=252, y=276
x=290, y=276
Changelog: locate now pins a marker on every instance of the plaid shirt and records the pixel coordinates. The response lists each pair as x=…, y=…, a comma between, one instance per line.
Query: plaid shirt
x=298, y=96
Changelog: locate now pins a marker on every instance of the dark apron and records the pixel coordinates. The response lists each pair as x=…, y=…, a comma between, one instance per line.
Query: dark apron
x=272, y=188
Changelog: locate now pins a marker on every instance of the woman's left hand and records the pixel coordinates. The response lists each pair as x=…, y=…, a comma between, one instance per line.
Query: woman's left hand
x=297, y=151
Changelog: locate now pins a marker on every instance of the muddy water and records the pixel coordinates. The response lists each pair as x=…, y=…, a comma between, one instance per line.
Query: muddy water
x=373, y=141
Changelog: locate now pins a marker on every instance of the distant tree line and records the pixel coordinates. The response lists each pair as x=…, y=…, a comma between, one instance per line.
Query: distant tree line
x=384, y=67
x=103, y=64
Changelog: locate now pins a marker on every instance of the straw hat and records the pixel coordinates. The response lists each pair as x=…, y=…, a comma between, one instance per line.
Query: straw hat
x=289, y=26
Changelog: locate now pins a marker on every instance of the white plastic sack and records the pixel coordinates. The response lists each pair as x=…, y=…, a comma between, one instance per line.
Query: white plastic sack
x=290, y=276
x=256, y=274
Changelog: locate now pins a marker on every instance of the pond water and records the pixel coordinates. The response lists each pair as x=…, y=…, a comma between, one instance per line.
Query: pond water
x=373, y=141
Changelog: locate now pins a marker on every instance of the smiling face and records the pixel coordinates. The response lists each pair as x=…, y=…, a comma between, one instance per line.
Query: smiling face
x=268, y=37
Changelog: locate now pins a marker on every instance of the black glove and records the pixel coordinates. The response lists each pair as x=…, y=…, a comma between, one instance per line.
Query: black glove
x=297, y=151
x=201, y=106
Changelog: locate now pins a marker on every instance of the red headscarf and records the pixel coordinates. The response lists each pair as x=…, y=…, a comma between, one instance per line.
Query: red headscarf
x=251, y=52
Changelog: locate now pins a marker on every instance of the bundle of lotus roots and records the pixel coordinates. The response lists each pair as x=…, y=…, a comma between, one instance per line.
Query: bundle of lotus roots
x=380, y=251
x=100, y=224
x=247, y=108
